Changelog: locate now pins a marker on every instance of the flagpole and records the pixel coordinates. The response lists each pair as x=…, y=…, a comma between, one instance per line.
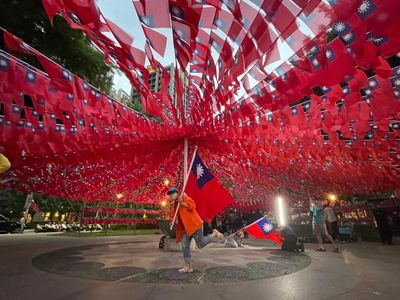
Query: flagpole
x=224, y=239
x=28, y=203
x=186, y=177
x=185, y=158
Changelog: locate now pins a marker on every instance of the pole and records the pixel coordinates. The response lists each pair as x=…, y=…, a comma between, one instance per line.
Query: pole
x=28, y=203
x=224, y=239
x=81, y=215
x=185, y=158
x=186, y=176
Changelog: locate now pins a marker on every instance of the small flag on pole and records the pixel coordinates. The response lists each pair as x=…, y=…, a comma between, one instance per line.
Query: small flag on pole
x=264, y=229
x=35, y=207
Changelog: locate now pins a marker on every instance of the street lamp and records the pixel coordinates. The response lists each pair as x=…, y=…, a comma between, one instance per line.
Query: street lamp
x=163, y=203
x=119, y=195
x=281, y=211
x=166, y=182
x=332, y=197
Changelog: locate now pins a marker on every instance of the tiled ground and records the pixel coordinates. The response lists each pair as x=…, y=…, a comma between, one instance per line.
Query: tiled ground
x=144, y=262
x=359, y=271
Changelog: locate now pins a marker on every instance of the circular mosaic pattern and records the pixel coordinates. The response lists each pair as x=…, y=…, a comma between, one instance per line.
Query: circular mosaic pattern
x=89, y=262
x=228, y=273
x=117, y=273
x=169, y=275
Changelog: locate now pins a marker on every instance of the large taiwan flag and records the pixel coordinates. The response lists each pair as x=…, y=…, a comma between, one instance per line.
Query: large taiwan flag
x=208, y=193
x=264, y=229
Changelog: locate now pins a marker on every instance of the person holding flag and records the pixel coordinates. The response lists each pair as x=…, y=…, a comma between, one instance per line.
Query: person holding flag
x=202, y=198
x=188, y=226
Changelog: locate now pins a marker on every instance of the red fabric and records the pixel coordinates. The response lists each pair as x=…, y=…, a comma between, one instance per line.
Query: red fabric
x=35, y=207
x=257, y=231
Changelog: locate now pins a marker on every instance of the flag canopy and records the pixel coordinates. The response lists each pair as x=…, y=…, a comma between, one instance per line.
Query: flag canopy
x=297, y=96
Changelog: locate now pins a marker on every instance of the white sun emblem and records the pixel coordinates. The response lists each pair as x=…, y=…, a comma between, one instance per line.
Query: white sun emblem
x=267, y=227
x=179, y=33
x=364, y=7
x=340, y=26
x=372, y=83
x=397, y=82
x=199, y=171
x=219, y=23
x=146, y=21
x=176, y=11
x=348, y=37
x=31, y=76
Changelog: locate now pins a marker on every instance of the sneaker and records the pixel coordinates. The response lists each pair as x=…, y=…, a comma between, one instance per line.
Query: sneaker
x=218, y=235
x=185, y=270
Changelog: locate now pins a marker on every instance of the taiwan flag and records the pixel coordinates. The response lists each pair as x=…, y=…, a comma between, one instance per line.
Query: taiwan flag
x=264, y=229
x=35, y=207
x=208, y=193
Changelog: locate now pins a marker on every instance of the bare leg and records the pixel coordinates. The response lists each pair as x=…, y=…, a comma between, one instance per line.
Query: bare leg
x=319, y=239
x=331, y=239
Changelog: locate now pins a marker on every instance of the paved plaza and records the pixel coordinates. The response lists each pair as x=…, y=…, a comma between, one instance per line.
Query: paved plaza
x=36, y=266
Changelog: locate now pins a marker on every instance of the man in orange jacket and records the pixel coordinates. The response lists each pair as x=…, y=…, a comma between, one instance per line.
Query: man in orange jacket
x=188, y=225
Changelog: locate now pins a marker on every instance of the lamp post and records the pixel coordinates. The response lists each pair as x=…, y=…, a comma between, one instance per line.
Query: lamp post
x=281, y=211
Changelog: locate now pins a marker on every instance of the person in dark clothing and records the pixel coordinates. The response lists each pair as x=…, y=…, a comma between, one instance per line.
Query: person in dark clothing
x=290, y=238
x=382, y=221
x=207, y=228
x=254, y=216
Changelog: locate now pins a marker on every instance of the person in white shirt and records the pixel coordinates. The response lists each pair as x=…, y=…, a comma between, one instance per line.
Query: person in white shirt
x=331, y=220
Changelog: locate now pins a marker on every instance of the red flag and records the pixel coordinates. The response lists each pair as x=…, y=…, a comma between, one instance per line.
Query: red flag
x=264, y=229
x=208, y=193
x=35, y=207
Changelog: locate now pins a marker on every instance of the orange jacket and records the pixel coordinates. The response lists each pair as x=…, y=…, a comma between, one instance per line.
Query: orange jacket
x=188, y=218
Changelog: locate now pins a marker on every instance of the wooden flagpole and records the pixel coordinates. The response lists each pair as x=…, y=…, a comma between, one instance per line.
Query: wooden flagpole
x=185, y=176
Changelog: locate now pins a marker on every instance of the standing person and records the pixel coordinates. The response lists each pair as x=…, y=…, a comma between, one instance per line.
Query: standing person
x=4, y=162
x=331, y=221
x=382, y=221
x=317, y=213
x=188, y=225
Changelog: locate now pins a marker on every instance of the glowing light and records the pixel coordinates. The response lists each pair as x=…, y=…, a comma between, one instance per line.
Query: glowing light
x=281, y=211
x=119, y=196
x=163, y=203
x=166, y=182
x=144, y=216
x=332, y=197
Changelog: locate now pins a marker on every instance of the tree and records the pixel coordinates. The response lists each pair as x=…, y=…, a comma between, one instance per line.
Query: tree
x=137, y=105
x=12, y=203
x=66, y=46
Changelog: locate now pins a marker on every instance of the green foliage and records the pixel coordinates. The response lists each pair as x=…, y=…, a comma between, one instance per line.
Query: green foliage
x=12, y=203
x=136, y=105
x=66, y=46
